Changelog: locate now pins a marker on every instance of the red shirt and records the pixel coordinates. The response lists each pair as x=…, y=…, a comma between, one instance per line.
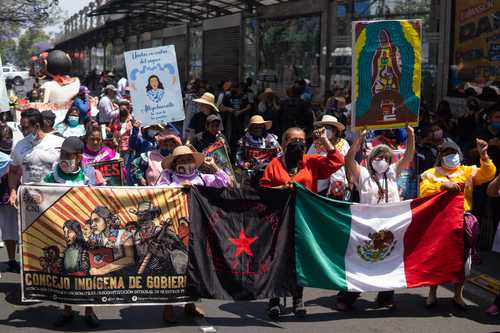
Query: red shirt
x=311, y=168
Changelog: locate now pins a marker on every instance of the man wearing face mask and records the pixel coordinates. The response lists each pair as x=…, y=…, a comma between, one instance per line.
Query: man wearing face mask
x=450, y=175
x=296, y=166
x=8, y=214
x=377, y=184
x=146, y=169
x=33, y=156
x=256, y=148
x=210, y=135
x=69, y=170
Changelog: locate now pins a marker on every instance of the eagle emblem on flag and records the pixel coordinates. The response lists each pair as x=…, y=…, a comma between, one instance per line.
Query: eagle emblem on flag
x=379, y=246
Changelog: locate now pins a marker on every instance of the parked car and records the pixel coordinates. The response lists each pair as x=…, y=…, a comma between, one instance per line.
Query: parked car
x=17, y=76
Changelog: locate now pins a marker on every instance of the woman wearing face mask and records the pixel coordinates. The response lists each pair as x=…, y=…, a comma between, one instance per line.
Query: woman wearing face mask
x=256, y=149
x=143, y=140
x=70, y=170
x=72, y=125
x=337, y=184
x=377, y=184
x=296, y=166
x=181, y=169
x=450, y=175
x=94, y=150
x=146, y=169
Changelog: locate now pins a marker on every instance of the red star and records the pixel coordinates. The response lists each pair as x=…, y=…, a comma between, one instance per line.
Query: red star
x=243, y=244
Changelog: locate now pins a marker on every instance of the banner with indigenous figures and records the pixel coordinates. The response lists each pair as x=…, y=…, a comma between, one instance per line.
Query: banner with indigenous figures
x=103, y=245
x=112, y=171
x=154, y=85
x=386, y=73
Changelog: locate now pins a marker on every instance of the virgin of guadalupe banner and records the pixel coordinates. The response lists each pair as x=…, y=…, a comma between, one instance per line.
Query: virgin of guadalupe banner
x=103, y=246
x=154, y=85
x=386, y=73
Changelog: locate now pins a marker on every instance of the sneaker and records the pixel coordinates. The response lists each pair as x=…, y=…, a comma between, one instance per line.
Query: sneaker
x=91, y=320
x=385, y=303
x=493, y=310
x=13, y=267
x=64, y=319
x=298, y=308
x=274, y=309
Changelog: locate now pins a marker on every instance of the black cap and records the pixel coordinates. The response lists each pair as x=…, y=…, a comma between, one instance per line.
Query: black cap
x=72, y=145
x=47, y=114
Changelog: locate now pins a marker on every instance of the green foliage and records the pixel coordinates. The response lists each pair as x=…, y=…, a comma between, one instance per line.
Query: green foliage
x=25, y=48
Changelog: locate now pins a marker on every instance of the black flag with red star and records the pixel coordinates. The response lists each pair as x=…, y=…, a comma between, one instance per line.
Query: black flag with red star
x=240, y=243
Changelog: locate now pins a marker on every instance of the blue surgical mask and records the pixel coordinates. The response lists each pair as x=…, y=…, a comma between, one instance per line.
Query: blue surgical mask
x=73, y=121
x=451, y=161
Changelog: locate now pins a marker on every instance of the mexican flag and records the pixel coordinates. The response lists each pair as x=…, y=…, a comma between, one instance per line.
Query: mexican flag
x=358, y=247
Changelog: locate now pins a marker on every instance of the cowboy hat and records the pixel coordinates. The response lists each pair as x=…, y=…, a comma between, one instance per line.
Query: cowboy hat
x=266, y=92
x=258, y=120
x=207, y=99
x=330, y=121
x=199, y=158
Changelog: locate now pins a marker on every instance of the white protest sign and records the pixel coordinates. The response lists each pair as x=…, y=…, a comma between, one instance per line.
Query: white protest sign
x=154, y=85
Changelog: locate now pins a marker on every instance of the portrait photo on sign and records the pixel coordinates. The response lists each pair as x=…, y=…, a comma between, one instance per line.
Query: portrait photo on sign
x=155, y=85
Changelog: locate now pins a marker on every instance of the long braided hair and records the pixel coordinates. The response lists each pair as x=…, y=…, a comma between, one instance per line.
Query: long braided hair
x=386, y=152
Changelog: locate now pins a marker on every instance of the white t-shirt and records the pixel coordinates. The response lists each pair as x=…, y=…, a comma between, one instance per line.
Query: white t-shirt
x=55, y=93
x=369, y=191
x=121, y=85
x=36, y=158
x=107, y=110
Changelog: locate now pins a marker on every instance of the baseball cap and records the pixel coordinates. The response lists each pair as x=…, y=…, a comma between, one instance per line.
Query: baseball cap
x=72, y=145
x=213, y=117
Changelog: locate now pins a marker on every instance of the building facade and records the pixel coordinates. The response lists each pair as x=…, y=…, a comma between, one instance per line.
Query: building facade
x=276, y=42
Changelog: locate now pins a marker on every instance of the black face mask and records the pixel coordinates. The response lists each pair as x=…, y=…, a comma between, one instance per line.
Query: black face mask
x=295, y=152
x=123, y=113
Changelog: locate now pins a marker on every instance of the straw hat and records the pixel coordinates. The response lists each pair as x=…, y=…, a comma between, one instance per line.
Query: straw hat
x=267, y=91
x=207, y=99
x=199, y=158
x=330, y=121
x=258, y=120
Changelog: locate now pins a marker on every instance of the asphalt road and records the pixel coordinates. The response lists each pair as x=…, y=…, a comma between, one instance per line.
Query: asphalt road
x=409, y=316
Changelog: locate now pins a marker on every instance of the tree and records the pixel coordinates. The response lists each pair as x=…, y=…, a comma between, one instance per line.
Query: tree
x=26, y=14
x=25, y=45
x=8, y=51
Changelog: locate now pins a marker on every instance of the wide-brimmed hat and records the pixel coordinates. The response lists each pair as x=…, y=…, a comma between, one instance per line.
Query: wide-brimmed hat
x=207, y=99
x=330, y=121
x=199, y=158
x=258, y=120
x=268, y=91
x=145, y=207
x=110, y=87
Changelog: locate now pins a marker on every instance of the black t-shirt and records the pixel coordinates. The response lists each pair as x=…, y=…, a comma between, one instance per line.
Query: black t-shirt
x=238, y=122
x=197, y=122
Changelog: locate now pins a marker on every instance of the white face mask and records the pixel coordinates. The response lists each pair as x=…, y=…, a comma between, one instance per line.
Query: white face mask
x=68, y=166
x=185, y=169
x=451, y=161
x=380, y=166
